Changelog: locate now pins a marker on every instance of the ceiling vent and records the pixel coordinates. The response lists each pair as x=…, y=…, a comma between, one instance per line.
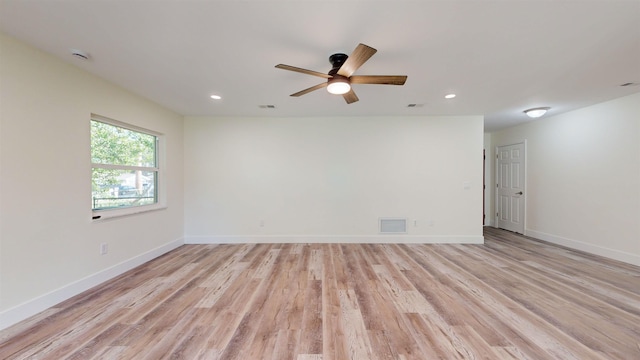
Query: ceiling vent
x=267, y=106
x=79, y=54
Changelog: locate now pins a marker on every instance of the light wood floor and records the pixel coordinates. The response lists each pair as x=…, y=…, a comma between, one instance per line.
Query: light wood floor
x=512, y=298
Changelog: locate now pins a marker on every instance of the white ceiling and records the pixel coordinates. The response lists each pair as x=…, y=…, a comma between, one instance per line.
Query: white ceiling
x=499, y=57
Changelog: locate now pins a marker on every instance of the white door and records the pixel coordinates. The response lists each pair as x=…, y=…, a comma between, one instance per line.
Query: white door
x=510, y=186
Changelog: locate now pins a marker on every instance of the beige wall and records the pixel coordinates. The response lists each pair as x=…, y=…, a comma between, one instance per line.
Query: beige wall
x=49, y=246
x=583, y=177
x=331, y=179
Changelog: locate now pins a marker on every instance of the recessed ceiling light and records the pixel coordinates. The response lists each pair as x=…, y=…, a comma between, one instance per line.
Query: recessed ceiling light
x=450, y=96
x=216, y=97
x=536, y=112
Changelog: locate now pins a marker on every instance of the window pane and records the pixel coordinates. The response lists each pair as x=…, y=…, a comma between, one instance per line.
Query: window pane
x=122, y=188
x=119, y=146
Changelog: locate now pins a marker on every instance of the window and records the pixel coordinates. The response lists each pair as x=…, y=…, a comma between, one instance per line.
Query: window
x=124, y=166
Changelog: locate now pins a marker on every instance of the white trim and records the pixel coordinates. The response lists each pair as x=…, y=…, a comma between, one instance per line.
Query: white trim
x=629, y=258
x=124, y=125
x=127, y=167
x=34, y=306
x=332, y=239
x=101, y=215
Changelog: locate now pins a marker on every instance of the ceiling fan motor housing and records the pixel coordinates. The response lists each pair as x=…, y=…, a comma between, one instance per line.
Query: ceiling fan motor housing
x=336, y=61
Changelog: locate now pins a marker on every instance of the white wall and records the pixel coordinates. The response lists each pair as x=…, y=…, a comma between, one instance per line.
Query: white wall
x=49, y=246
x=583, y=177
x=330, y=179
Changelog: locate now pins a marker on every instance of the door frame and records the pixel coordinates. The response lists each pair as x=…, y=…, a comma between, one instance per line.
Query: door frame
x=497, y=177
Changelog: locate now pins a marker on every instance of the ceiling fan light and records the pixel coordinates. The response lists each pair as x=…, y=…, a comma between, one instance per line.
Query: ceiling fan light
x=536, y=112
x=338, y=86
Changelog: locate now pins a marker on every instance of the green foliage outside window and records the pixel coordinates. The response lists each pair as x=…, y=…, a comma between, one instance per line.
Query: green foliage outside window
x=124, y=168
x=119, y=146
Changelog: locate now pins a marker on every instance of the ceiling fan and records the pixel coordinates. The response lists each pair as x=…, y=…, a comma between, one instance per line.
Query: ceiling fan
x=340, y=77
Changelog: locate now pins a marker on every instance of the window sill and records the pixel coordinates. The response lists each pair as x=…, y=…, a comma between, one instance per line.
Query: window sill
x=100, y=215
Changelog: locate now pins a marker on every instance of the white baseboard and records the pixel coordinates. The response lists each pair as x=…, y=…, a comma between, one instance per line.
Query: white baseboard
x=34, y=306
x=632, y=259
x=329, y=239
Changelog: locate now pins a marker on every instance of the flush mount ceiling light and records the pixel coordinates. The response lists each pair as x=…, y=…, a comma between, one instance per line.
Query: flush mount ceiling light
x=216, y=97
x=536, y=112
x=450, y=96
x=338, y=85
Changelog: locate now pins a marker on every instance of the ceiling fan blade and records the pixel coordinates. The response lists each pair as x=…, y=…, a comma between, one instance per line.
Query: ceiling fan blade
x=350, y=97
x=359, y=56
x=301, y=70
x=308, y=90
x=378, y=79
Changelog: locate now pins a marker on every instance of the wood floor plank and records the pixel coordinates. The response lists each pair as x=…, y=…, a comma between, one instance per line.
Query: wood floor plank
x=311, y=334
x=286, y=343
x=333, y=346
x=511, y=298
x=309, y=357
x=354, y=328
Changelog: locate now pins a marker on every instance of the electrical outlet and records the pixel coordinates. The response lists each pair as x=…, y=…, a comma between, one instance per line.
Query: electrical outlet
x=104, y=248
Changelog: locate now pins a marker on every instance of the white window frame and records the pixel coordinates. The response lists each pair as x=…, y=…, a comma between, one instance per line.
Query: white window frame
x=102, y=214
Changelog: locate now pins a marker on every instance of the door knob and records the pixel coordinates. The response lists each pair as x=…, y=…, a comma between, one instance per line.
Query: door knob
x=519, y=193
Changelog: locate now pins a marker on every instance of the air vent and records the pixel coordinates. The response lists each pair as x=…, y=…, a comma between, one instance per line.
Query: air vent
x=415, y=105
x=630, y=84
x=267, y=106
x=393, y=225
x=79, y=54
